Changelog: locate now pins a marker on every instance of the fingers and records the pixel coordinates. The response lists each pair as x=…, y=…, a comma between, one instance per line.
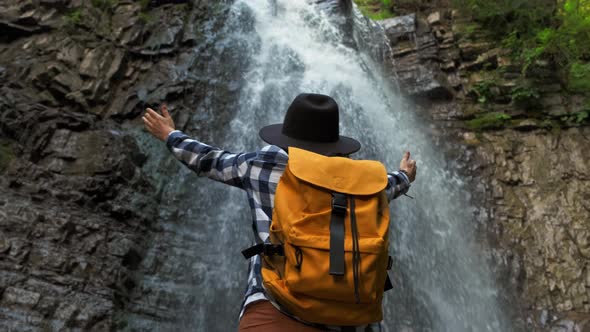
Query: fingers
x=406, y=155
x=164, y=110
x=155, y=123
x=149, y=125
x=147, y=121
x=151, y=114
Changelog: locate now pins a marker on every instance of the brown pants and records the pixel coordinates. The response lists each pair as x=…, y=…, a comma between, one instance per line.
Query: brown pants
x=262, y=316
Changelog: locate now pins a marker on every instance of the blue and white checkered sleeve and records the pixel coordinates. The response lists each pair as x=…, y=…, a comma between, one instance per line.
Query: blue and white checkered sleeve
x=398, y=184
x=205, y=160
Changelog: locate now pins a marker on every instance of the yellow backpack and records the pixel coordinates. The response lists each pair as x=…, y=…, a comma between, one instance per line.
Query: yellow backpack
x=329, y=255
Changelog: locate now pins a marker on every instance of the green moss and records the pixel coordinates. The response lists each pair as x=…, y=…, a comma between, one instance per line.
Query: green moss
x=525, y=96
x=376, y=9
x=494, y=120
x=120, y=322
x=483, y=91
x=554, y=31
x=6, y=156
x=144, y=4
x=73, y=18
x=467, y=31
x=579, y=77
x=575, y=119
x=146, y=17
x=381, y=15
x=104, y=4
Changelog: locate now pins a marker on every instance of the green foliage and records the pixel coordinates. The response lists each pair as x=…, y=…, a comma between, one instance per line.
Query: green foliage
x=470, y=29
x=144, y=4
x=483, y=90
x=381, y=15
x=6, y=156
x=558, y=30
x=506, y=16
x=73, y=18
x=146, y=17
x=525, y=95
x=579, y=77
x=575, y=119
x=376, y=9
x=104, y=4
x=493, y=120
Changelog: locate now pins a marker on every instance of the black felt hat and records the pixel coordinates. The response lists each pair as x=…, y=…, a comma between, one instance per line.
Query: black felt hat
x=311, y=123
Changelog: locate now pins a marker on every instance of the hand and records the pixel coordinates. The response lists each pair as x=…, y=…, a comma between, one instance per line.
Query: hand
x=409, y=166
x=159, y=126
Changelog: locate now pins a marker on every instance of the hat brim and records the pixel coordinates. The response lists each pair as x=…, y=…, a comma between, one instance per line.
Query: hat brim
x=344, y=146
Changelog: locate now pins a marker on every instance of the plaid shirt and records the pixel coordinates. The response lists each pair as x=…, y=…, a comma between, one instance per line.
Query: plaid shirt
x=257, y=173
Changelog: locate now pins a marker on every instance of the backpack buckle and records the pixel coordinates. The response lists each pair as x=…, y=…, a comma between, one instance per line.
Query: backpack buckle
x=339, y=203
x=265, y=249
x=273, y=249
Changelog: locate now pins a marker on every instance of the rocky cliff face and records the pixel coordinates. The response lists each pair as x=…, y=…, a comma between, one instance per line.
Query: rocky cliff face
x=520, y=144
x=76, y=209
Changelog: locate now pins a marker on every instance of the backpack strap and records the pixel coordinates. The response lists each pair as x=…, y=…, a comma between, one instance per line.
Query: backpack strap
x=266, y=249
x=388, y=283
x=339, y=204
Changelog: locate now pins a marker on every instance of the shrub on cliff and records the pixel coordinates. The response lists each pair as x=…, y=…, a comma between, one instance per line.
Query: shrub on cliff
x=376, y=9
x=558, y=30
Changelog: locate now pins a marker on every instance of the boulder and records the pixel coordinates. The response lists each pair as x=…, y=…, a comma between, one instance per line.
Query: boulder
x=402, y=26
x=434, y=18
x=20, y=296
x=103, y=61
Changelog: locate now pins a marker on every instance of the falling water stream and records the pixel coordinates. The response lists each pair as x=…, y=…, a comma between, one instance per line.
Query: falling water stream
x=442, y=282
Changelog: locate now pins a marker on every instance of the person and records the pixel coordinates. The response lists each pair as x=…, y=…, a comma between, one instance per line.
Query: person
x=311, y=123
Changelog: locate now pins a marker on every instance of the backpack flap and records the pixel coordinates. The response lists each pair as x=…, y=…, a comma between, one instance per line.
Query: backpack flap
x=338, y=174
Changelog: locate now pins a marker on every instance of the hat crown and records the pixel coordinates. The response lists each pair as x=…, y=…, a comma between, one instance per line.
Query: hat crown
x=312, y=117
x=311, y=123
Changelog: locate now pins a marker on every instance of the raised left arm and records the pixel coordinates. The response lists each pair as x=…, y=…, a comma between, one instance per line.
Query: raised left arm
x=205, y=160
x=214, y=163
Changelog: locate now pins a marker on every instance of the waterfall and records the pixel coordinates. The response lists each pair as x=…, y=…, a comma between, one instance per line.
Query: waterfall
x=441, y=280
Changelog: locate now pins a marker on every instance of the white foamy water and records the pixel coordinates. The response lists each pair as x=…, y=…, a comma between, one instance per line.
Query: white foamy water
x=441, y=281
x=298, y=48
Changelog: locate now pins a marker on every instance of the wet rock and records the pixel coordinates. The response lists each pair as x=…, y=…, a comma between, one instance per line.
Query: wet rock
x=125, y=17
x=70, y=54
x=532, y=159
x=426, y=82
x=563, y=326
x=103, y=61
x=399, y=26
x=4, y=244
x=163, y=40
x=471, y=139
x=557, y=110
x=416, y=59
x=157, y=3
x=10, y=31
x=488, y=59
x=471, y=50
x=56, y=78
x=21, y=297
x=75, y=183
x=527, y=124
x=434, y=18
